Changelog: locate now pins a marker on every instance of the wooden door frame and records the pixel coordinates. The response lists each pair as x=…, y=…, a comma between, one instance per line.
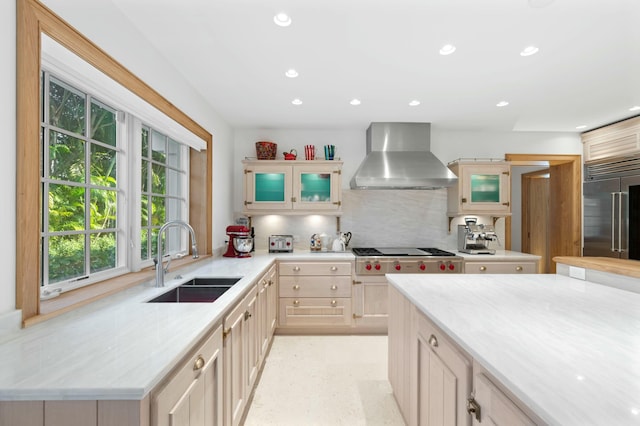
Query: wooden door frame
x=574, y=188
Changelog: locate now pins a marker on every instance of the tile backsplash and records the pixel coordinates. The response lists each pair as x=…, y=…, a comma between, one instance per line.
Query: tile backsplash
x=376, y=218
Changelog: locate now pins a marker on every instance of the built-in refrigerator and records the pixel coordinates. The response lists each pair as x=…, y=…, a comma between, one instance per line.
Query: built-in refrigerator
x=611, y=215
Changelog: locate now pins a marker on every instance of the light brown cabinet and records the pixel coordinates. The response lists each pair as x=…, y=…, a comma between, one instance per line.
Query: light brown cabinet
x=436, y=382
x=496, y=407
x=483, y=188
x=193, y=395
x=292, y=187
x=501, y=267
x=370, y=304
x=314, y=295
x=443, y=379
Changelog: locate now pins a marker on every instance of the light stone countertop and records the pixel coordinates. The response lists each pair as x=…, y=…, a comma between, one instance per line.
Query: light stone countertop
x=568, y=349
x=120, y=347
x=499, y=256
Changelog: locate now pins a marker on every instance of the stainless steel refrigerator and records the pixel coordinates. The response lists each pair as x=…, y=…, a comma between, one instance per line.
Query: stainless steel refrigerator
x=611, y=217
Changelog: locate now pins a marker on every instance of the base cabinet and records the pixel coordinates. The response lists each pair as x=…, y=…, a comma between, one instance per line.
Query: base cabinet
x=501, y=267
x=193, y=396
x=435, y=382
x=443, y=379
x=314, y=295
x=370, y=304
x=497, y=408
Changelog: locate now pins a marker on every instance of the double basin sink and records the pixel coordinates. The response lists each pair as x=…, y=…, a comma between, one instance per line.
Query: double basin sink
x=197, y=290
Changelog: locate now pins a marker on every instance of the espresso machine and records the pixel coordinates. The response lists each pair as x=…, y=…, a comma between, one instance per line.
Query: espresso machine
x=240, y=241
x=474, y=238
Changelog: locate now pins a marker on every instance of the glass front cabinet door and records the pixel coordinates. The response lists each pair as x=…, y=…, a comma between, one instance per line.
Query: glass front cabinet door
x=267, y=187
x=482, y=188
x=317, y=187
x=282, y=186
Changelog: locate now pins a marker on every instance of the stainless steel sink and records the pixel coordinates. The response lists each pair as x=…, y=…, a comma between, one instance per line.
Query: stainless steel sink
x=197, y=290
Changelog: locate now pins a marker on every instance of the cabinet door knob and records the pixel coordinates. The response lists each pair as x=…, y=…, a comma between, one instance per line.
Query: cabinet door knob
x=296, y=302
x=296, y=268
x=433, y=341
x=334, y=303
x=334, y=287
x=483, y=268
x=518, y=268
x=296, y=287
x=199, y=363
x=265, y=283
x=270, y=283
x=334, y=268
x=247, y=315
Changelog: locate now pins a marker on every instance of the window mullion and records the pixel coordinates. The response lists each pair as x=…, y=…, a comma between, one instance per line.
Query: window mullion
x=44, y=185
x=87, y=190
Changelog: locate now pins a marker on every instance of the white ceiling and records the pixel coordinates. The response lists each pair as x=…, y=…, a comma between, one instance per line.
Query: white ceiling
x=385, y=52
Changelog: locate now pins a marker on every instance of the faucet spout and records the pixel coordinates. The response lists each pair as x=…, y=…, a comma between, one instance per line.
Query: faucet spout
x=160, y=270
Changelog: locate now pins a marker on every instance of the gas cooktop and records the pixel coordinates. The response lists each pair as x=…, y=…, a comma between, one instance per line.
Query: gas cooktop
x=399, y=251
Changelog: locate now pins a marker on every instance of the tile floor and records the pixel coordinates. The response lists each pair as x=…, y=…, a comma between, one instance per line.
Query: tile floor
x=325, y=380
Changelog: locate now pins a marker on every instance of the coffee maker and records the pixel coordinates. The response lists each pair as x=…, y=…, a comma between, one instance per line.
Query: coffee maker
x=474, y=238
x=240, y=241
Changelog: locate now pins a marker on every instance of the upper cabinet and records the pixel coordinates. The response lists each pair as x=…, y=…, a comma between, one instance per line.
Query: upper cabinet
x=483, y=188
x=292, y=187
x=616, y=140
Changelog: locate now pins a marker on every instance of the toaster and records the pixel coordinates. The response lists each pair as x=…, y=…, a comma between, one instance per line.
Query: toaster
x=280, y=243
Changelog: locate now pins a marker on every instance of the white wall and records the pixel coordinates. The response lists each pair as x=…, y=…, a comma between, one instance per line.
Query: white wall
x=114, y=34
x=389, y=217
x=8, y=159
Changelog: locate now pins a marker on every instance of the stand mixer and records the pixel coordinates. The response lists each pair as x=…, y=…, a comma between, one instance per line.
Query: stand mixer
x=240, y=241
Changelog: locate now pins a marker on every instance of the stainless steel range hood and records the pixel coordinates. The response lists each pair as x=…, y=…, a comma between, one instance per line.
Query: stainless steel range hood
x=399, y=157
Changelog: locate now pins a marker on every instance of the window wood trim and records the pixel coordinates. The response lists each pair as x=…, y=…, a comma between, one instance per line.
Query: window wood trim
x=33, y=18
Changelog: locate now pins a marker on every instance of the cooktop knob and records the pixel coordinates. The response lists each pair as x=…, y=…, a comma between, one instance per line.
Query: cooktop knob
x=368, y=266
x=377, y=266
x=452, y=266
x=398, y=267
x=423, y=266
x=442, y=267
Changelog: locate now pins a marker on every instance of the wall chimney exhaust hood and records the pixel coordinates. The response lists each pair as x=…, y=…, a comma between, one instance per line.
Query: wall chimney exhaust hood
x=399, y=157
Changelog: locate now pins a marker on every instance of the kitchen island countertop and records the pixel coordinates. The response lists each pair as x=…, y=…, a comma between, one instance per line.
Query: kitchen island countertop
x=568, y=349
x=120, y=347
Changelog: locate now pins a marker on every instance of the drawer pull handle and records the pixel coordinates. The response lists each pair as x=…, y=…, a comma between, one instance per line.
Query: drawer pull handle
x=265, y=284
x=483, y=268
x=334, y=268
x=270, y=283
x=296, y=287
x=296, y=302
x=199, y=363
x=519, y=268
x=473, y=408
x=334, y=287
x=433, y=341
x=296, y=269
x=334, y=303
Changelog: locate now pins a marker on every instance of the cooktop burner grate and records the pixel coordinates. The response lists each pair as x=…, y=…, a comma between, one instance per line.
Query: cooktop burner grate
x=369, y=251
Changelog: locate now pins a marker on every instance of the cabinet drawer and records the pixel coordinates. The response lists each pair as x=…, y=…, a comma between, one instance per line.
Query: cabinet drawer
x=315, y=268
x=319, y=311
x=315, y=286
x=500, y=268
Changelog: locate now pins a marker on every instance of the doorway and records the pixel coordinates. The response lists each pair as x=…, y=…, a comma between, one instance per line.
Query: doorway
x=562, y=234
x=535, y=216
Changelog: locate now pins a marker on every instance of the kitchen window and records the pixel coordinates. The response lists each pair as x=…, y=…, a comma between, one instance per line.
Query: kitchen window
x=84, y=181
x=36, y=27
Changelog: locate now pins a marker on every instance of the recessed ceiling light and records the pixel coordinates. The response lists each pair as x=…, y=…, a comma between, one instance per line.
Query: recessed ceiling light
x=414, y=102
x=635, y=108
x=529, y=50
x=355, y=102
x=296, y=101
x=502, y=104
x=282, y=19
x=447, y=49
x=580, y=127
x=291, y=73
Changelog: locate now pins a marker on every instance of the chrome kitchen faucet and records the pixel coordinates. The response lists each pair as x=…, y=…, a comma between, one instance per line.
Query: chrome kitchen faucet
x=160, y=270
